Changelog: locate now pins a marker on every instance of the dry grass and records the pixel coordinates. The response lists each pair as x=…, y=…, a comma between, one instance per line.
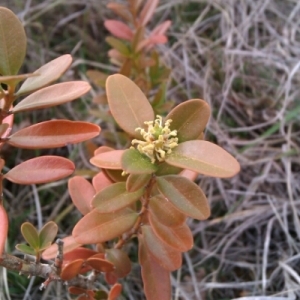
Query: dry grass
x=242, y=57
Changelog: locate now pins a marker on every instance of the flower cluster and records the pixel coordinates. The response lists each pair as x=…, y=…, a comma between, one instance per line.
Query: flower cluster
x=159, y=140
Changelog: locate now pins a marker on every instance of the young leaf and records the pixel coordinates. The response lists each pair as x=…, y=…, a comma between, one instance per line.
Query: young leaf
x=148, y=11
x=52, y=134
x=185, y=195
x=180, y=238
x=115, y=292
x=69, y=245
x=118, y=45
x=135, y=182
x=128, y=104
x=53, y=95
x=165, y=211
x=156, y=279
x=71, y=270
x=12, y=42
x=165, y=255
x=13, y=80
x=189, y=119
x=108, y=160
x=3, y=228
x=46, y=74
x=25, y=249
x=119, y=29
x=47, y=235
x=98, y=228
x=115, y=197
x=134, y=162
x=41, y=170
x=205, y=158
x=82, y=193
x=120, y=260
x=31, y=235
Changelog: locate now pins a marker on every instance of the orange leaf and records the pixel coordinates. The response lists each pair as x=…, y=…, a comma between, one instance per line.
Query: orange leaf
x=98, y=228
x=41, y=170
x=108, y=160
x=101, y=265
x=115, y=292
x=120, y=260
x=53, y=95
x=180, y=238
x=100, y=181
x=52, y=134
x=82, y=193
x=119, y=29
x=3, y=228
x=69, y=245
x=71, y=270
x=165, y=255
x=166, y=212
x=156, y=279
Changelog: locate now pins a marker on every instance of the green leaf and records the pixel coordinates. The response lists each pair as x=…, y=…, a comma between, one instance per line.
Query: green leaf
x=135, y=182
x=12, y=42
x=98, y=228
x=166, y=169
x=53, y=95
x=118, y=45
x=185, y=195
x=46, y=74
x=108, y=160
x=30, y=235
x=128, y=105
x=52, y=134
x=47, y=235
x=41, y=170
x=134, y=162
x=25, y=249
x=189, y=119
x=115, y=197
x=205, y=158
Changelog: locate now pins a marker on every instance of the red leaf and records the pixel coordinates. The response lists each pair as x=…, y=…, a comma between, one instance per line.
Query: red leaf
x=41, y=170
x=115, y=292
x=100, y=181
x=52, y=134
x=148, y=11
x=99, y=264
x=71, y=270
x=3, y=228
x=82, y=193
x=119, y=29
x=108, y=160
x=161, y=28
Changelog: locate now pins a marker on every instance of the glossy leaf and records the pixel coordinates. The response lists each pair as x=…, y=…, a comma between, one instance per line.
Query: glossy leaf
x=12, y=42
x=120, y=260
x=52, y=134
x=115, y=292
x=128, y=104
x=180, y=238
x=134, y=162
x=47, y=235
x=119, y=29
x=71, y=270
x=100, y=181
x=185, y=195
x=100, y=265
x=41, y=170
x=135, y=182
x=48, y=73
x=108, y=160
x=3, y=228
x=205, y=158
x=53, y=95
x=165, y=255
x=156, y=280
x=115, y=197
x=69, y=245
x=98, y=228
x=189, y=119
x=25, y=249
x=166, y=212
x=30, y=234
x=82, y=193
x=148, y=11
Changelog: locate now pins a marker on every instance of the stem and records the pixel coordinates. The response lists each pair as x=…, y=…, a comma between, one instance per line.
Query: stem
x=134, y=230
